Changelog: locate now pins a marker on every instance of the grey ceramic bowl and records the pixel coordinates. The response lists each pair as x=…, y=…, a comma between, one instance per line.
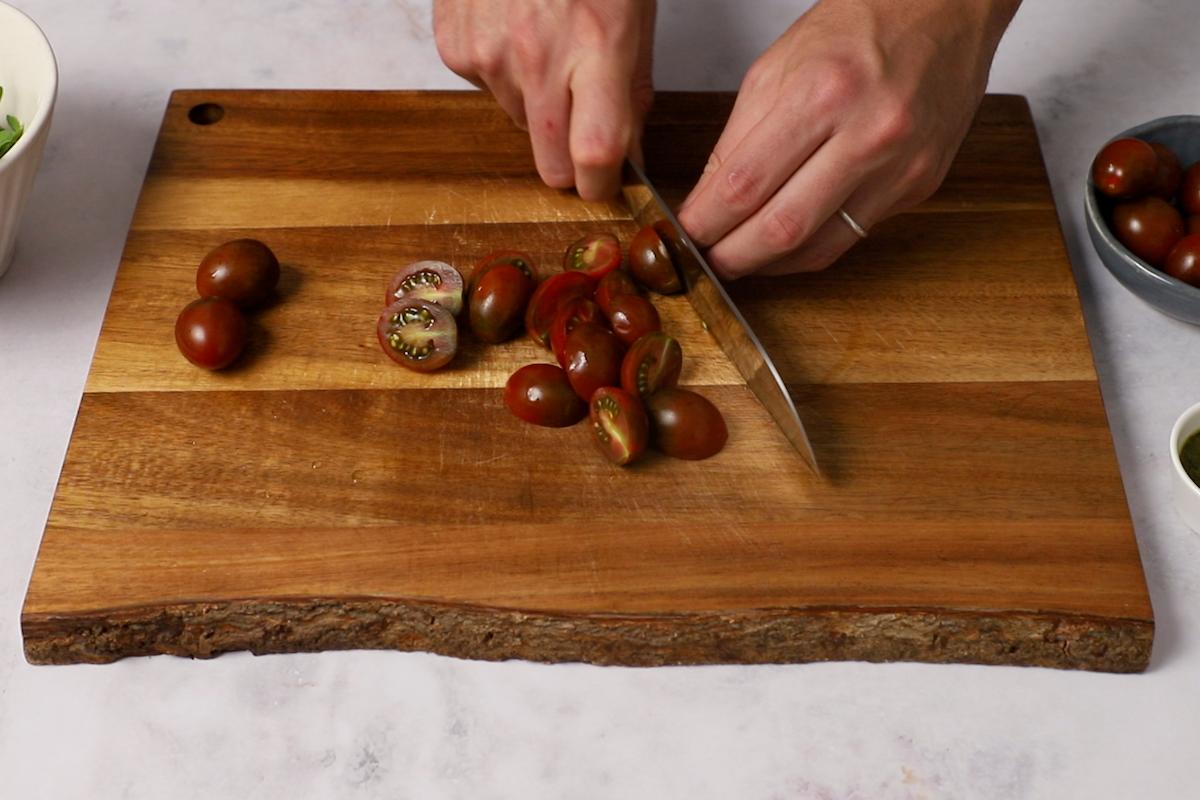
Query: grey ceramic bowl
x=1168, y=295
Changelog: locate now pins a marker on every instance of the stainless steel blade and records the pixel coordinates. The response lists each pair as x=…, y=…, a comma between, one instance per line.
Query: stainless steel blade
x=719, y=314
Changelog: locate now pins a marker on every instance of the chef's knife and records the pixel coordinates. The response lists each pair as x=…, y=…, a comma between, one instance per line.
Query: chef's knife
x=719, y=314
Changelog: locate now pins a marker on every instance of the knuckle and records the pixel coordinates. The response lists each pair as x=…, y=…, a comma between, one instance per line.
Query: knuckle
x=598, y=150
x=894, y=126
x=488, y=59
x=741, y=188
x=529, y=48
x=839, y=83
x=783, y=231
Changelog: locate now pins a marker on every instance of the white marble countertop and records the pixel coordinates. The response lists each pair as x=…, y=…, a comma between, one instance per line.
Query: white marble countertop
x=389, y=725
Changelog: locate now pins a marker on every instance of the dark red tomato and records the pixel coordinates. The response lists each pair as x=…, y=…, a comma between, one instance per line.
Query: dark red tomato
x=244, y=271
x=1189, y=190
x=571, y=313
x=516, y=258
x=1125, y=169
x=418, y=334
x=1149, y=228
x=615, y=283
x=1168, y=174
x=654, y=362
x=650, y=262
x=684, y=424
x=550, y=294
x=593, y=359
x=632, y=317
x=211, y=332
x=541, y=394
x=1193, y=225
x=435, y=281
x=497, y=303
x=595, y=255
x=620, y=427
x=1183, y=262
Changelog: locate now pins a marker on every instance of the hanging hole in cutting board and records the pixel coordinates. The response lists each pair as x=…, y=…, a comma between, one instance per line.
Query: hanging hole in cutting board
x=206, y=114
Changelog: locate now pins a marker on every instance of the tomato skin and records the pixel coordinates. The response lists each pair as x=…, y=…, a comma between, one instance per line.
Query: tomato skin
x=1193, y=224
x=1168, y=174
x=571, y=313
x=685, y=425
x=435, y=281
x=615, y=283
x=654, y=362
x=244, y=271
x=595, y=255
x=497, y=303
x=211, y=332
x=632, y=317
x=1183, y=262
x=620, y=427
x=593, y=359
x=651, y=263
x=1189, y=190
x=418, y=334
x=542, y=395
x=1125, y=169
x=1148, y=227
x=549, y=295
x=517, y=258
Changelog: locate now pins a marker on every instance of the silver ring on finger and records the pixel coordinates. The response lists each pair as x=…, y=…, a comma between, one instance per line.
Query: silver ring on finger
x=859, y=230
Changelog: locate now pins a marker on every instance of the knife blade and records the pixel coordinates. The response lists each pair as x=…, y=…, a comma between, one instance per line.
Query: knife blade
x=719, y=314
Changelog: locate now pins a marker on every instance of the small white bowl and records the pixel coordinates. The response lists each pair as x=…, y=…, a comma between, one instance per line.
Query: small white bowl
x=1187, y=493
x=29, y=75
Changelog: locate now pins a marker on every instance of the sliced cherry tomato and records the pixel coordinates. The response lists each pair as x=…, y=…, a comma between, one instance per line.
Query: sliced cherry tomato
x=211, y=332
x=418, y=334
x=521, y=260
x=650, y=262
x=595, y=255
x=1148, y=227
x=572, y=312
x=1125, y=169
x=654, y=362
x=550, y=294
x=1169, y=173
x=593, y=359
x=620, y=427
x=1189, y=190
x=435, y=281
x=541, y=394
x=615, y=283
x=1183, y=262
x=686, y=425
x=244, y=271
x=497, y=303
x=632, y=317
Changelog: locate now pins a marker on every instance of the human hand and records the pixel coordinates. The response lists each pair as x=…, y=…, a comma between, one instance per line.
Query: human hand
x=575, y=74
x=861, y=105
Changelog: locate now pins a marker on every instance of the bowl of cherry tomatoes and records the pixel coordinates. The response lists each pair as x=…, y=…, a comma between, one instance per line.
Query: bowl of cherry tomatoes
x=1143, y=213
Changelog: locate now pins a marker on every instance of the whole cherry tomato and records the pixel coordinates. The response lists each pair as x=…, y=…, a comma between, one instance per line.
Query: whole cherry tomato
x=1148, y=227
x=1189, y=190
x=244, y=271
x=595, y=255
x=620, y=427
x=517, y=258
x=549, y=295
x=654, y=362
x=435, y=281
x=497, y=303
x=541, y=394
x=1125, y=169
x=1193, y=224
x=1183, y=262
x=418, y=334
x=1169, y=173
x=571, y=313
x=686, y=425
x=593, y=359
x=632, y=317
x=211, y=332
x=615, y=283
x=651, y=263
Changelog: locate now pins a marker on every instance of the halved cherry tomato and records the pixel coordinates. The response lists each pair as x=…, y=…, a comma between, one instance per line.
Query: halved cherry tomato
x=654, y=362
x=1183, y=262
x=244, y=271
x=650, y=262
x=620, y=427
x=541, y=394
x=548, y=296
x=1125, y=169
x=497, y=303
x=1168, y=174
x=615, y=283
x=435, y=281
x=595, y=255
x=593, y=359
x=686, y=425
x=632, y=317
x=1148, y=227
x=1189, y=190
x=418, y=334
x=211, y=332
x=571, y=313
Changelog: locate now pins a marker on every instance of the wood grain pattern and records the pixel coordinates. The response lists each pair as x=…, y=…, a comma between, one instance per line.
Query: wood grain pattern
x=317, y=497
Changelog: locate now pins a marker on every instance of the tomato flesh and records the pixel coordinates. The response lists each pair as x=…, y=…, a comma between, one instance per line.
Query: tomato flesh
x=685, y=425
x=651, y=263
x=549, y=295
x=595, y=255
x=1183, y=262
x=593, y=359
x=1148, y=227
x=614, y=284
x=571, y=313
x=244, y=271
x=620, y=427
x=211, y=332
x=654, y=362
x=542, y=395
x=435, y=281
x=1125, y=168
x=497, y=303
x=418, y=334
x=632, y=317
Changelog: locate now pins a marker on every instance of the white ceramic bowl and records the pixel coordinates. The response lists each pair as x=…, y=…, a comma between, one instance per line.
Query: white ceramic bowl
x=29, y=76
x=1187, y=493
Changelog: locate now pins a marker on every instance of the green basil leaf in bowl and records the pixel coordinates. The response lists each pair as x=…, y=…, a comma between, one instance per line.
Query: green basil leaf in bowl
x=9, y=137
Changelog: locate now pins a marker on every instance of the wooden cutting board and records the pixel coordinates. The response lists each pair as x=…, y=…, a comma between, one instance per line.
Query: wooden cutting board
x=319, y=497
